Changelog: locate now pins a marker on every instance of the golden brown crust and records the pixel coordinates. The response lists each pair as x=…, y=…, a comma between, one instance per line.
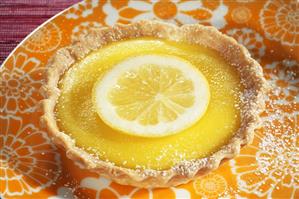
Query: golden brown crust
x=234, y=53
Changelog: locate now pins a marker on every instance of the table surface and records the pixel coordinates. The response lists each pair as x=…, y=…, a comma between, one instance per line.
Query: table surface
x=20, y=17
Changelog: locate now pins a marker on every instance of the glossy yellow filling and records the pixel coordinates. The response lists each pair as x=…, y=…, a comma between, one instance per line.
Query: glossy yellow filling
x=77, y=116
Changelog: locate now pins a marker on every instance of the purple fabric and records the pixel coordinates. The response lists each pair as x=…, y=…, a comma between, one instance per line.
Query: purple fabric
x=20, y=17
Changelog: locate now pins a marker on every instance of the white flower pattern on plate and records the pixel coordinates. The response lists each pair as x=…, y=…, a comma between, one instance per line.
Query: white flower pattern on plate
x=271, y=162
x=210, y=185
x=101, y=183
x=82, y=9
x=175, y=12
x=280, y=21
x=252, y=40
x=284, y=78
x=47, y=38
x=29, y=162
x=21, y=79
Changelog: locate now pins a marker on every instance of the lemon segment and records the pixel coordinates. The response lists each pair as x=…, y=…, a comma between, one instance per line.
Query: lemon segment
x=151, y=95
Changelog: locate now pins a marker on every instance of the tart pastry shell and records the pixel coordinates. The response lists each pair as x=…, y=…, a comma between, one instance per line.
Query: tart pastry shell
x=252, y=102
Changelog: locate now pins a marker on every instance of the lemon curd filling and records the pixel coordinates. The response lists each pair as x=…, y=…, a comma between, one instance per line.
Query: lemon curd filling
x=78, y=117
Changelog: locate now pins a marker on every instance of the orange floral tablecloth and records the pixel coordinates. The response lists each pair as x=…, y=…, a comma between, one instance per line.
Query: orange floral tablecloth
x=31, y=166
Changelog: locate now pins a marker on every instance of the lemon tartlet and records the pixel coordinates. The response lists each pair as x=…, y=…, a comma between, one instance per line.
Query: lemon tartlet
x=151, y=104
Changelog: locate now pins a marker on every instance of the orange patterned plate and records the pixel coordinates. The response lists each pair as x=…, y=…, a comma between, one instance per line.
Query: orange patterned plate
x=31, y=166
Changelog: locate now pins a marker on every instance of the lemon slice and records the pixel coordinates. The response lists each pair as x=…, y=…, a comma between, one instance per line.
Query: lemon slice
x=151, y=95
